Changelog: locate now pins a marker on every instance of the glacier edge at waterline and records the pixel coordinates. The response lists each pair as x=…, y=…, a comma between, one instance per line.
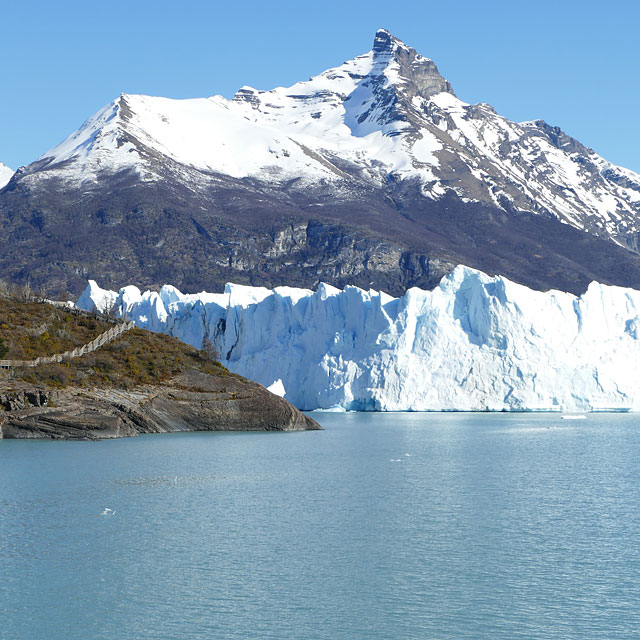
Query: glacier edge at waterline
x=474, y=343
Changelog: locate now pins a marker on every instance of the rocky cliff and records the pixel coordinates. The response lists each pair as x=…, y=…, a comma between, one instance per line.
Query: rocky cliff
x=193, y=401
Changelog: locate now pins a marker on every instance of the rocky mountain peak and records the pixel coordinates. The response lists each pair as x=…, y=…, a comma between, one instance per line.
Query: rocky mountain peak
x=123, y=107
x=385, y=42
x=419, y=75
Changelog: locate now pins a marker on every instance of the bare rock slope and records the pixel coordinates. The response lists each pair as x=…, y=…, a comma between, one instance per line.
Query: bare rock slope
x=193, y=401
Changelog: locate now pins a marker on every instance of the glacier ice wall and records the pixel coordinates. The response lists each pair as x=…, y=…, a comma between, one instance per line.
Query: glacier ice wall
x=473, y=343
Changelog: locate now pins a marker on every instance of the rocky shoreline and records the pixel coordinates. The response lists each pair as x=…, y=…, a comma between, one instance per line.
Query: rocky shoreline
x=192, y=401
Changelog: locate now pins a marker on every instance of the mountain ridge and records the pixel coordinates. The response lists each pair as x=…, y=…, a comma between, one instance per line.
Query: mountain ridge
x=379, y=149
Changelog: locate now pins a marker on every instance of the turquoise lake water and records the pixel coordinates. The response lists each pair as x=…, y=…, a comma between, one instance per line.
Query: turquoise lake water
x=381, y=526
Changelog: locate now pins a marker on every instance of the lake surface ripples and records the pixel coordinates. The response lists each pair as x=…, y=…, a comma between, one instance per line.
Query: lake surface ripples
x=381, y=526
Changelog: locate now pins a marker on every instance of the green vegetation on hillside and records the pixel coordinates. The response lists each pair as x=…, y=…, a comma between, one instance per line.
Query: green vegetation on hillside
x=31, y=329
x=138, y=357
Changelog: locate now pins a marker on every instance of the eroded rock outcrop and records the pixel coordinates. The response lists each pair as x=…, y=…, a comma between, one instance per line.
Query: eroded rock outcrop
x=193, y=401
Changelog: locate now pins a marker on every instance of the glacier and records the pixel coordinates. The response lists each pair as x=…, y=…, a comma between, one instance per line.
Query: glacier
x=474, y=343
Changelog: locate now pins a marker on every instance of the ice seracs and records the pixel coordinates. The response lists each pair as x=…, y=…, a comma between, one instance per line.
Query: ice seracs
x=473, y=343
x=94, y=298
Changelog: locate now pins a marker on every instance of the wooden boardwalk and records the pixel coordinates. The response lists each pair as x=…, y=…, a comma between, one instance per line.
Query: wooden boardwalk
x=100, y=341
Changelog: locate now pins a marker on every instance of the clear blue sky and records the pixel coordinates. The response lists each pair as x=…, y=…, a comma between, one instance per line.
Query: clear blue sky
x=573, y=63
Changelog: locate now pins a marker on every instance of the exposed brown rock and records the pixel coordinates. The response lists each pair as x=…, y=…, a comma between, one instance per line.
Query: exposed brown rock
x=193, y=401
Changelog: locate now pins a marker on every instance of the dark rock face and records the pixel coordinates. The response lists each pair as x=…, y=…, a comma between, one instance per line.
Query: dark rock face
x=421, y=75
x=19, y=400
x=124, y=232
x=194, y=401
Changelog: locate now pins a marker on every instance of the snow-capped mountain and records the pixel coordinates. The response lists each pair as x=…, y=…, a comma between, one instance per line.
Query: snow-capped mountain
x=353, y=114
x=474, y=343
x=404, y=178
x=386, y=115
x=5, y=174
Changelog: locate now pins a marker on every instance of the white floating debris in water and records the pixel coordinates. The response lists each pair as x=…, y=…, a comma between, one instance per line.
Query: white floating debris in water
x=108, y=512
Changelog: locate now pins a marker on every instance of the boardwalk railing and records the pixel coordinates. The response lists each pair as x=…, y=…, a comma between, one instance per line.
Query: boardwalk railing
x=101, y=340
